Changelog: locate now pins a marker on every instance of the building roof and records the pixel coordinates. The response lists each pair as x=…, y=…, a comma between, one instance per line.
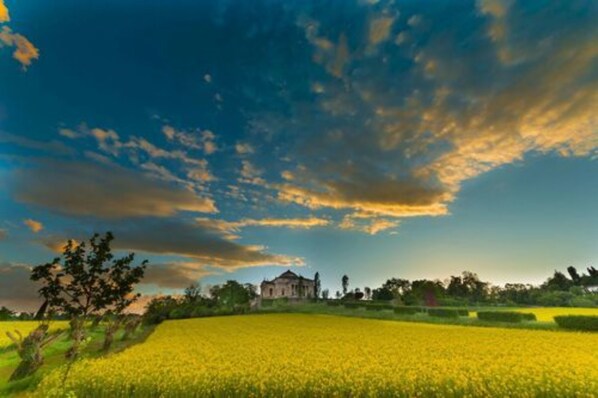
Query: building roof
x=288, y=274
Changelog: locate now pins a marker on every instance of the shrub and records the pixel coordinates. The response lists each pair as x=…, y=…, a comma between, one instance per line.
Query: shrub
x=587, y=323
x=333, y=303
x=405, y=310
x=443, y=312
x=267, y=303
x=505, y=316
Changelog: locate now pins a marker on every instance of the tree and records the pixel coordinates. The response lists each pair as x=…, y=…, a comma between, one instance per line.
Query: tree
x=382, y=294
x=193, y=293
x=233, y=295
x=345, y=283
x=557, y=282
x=338, y=294
x=398, y=287
x=30, y=350
x=87, y=280
x=574, y=275
x=6, y=314
x=325, y=294
x=317, y=285
x=368, y=292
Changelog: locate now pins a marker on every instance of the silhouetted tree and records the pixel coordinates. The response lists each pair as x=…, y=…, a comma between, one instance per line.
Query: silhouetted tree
x=193, y=293
x=574, y=275
x=368, y=293
x=325, y=294
x=86, y=281
x=557, y=282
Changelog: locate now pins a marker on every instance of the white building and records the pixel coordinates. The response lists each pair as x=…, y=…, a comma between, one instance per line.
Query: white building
x=288, y=284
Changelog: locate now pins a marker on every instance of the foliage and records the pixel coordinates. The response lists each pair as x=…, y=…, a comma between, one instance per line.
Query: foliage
x=88, y=281
x=216, y=357
x=578, y=322
x=405, y=310
x=345, y=283
x=505, y=316
x=6, y=314
x=444, y=312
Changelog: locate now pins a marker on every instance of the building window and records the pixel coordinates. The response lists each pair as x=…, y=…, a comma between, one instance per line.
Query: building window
x=283, y=292
x=270, y=292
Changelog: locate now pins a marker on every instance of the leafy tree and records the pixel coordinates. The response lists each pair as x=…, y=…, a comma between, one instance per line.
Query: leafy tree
x=193, y=293
x=338, y=294
x=87, y=281
x=367, y=292
x=398, y=287
x=382, y=293
x=317, y=285
x=345, y=284
x=557, y=282
x=233, y=295
x=574, y=275
x=325, y=294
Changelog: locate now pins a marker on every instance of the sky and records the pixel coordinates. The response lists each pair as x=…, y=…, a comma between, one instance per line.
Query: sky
x=235, y=140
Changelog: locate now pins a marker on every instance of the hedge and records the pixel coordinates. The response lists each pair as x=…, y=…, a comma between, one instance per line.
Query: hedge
x=404, y=310
x=378, y=307
x=352, y=305
x=587, y=323
x=443, y=312
x=333, y=303
x=505, y=316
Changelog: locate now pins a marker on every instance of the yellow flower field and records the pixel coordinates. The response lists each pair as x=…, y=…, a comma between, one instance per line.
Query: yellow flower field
x=24, y=327
x=318, y=355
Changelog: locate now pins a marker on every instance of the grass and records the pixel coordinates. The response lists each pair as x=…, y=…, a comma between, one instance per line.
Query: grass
x=54, y=357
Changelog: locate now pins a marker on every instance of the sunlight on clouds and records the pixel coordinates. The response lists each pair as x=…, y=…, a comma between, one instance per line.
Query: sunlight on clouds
x=25, y=52
x=4, y=15
x=34, y=226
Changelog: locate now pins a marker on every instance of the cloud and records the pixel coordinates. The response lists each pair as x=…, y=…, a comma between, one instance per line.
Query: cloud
x=52, y=147
x=34, y=226
x=101, y=191
x=204, y=243
x=243, y=148
x=25, y=52
x=380, y=29
x=204, y=140
x=17, y=292
x=4, y=15
x=175, y=275
x=250, y=174
x=402, y=130
x=230, y=228
x=372, y=226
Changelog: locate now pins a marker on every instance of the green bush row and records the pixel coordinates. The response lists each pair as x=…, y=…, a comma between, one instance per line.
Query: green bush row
x=378, y=307
x=408, y=310
x=505, y=316
x=444, y=312
x=587, y=323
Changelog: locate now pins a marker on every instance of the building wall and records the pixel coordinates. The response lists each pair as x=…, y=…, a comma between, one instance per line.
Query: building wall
x=286, y=288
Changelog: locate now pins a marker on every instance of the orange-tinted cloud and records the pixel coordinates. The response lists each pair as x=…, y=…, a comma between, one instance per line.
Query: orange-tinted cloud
x=25, y=52
x=34, y=226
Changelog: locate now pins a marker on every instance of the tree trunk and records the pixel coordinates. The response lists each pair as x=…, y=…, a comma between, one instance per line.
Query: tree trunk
x=77, y=335
x=30, y=352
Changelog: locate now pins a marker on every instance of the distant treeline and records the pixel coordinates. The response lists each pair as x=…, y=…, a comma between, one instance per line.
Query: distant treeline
x=575, y=290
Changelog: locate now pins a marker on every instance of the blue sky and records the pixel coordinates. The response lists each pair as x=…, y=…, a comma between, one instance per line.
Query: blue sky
x=232, y=139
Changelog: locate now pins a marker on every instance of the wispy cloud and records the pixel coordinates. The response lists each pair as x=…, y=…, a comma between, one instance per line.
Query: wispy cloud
x=34, y=226
x=102, y=191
